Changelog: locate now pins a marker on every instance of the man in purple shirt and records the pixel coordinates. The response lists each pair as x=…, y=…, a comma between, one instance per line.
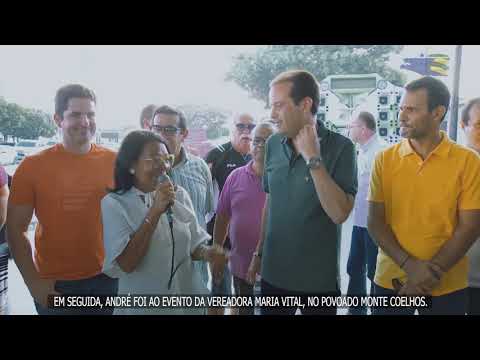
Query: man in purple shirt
x=240, y=212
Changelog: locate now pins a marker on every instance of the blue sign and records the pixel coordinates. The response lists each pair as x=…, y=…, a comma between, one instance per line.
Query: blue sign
x=432, y=65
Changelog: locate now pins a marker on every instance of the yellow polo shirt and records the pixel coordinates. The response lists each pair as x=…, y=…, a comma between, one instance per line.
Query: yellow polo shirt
x=422, y=199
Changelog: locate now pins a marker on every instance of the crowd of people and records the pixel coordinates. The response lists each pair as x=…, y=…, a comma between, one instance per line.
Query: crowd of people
x=155, y=218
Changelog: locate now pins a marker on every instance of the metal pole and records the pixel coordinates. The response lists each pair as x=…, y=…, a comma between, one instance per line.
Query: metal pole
x=452, y=128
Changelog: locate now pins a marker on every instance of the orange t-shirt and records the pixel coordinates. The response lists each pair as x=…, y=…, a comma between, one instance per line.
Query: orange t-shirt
x=65, y=190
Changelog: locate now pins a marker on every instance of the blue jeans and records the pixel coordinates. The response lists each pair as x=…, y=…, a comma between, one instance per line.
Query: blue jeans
x=225, y=286
x=243, y=288
x=202, y=268
x=454, y=303
x=98, y=285
x=473, y=301
x=361, y=264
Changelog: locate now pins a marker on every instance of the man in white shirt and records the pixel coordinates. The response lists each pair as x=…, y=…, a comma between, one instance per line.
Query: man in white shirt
x=470, y=123
x=363, y=251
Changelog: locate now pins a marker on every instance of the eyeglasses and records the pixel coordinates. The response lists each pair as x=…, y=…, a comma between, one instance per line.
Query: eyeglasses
x=258, y=141
x=242, y=127
x=159, y=161
x=168, y=130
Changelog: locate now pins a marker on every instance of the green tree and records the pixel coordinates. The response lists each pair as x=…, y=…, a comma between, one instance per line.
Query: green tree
x=38, y=124
x=11, y=119
x=19, y=122
x=205, y=117
x=253, y=72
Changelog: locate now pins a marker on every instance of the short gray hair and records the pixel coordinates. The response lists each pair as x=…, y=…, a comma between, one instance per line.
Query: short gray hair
x=266, y=125
x=468, y=107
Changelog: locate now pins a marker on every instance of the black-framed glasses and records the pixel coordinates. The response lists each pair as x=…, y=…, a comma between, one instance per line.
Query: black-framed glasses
x=168, y=130
x=243, y=127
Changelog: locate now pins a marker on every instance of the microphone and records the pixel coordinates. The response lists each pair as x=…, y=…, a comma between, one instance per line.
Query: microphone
x=161, y=179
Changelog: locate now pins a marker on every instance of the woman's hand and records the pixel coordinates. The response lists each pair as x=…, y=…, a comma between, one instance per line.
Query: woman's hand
x=164, y=196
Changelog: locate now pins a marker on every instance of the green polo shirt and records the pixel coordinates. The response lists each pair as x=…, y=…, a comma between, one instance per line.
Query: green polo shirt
x=302, y=244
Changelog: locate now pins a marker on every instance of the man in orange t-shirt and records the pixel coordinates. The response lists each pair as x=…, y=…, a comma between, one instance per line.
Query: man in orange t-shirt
x=63, y=185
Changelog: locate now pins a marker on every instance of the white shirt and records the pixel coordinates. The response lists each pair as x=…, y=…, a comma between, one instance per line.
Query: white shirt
x=474, y=267
x=366, y=159
x=122, y=215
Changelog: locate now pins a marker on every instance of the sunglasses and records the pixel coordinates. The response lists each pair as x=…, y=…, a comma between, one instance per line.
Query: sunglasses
x=242, y=127
x=169, y=130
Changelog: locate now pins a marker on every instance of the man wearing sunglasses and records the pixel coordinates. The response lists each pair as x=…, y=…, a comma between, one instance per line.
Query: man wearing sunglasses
x=222, y=160
x=189, y=171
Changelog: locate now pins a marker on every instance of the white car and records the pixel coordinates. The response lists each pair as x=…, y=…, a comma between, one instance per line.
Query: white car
x=50, y=143
x=7, y=154
x=24, y=148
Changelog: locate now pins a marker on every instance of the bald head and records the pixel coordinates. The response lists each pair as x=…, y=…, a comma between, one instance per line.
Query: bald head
x=264, y=127
x=262, y=132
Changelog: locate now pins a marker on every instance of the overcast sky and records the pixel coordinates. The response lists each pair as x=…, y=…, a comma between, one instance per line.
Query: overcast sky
x=125, y=78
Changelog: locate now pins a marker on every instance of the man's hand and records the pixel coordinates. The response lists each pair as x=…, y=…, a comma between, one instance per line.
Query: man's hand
x=253, y=270
x=422, y=275
x=41, y=288
x=217, y=258
x=436, y=269
x=307, y=142
x=408, y=289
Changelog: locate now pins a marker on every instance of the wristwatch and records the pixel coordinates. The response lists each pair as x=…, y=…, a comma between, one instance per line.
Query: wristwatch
x=314, y=162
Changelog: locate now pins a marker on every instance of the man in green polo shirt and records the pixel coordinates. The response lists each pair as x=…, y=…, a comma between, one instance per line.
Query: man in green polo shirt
x=310, y=181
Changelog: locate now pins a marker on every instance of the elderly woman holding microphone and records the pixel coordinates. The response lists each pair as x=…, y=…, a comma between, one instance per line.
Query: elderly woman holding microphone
x=151, y=234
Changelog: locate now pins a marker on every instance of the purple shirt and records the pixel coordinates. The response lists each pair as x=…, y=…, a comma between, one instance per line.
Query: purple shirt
x=3, y=176
x=242, y=200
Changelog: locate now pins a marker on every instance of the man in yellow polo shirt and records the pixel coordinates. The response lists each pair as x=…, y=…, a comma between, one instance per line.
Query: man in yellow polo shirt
x=424, y=206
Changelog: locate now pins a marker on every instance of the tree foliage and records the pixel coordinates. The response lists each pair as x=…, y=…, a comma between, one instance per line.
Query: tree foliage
x=19, y=122
x=206, y=117
x=254, y=72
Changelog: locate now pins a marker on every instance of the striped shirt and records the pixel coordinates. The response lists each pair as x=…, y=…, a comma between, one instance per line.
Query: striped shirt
x=3, y=278
x=4, y=254
x=192, y=173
